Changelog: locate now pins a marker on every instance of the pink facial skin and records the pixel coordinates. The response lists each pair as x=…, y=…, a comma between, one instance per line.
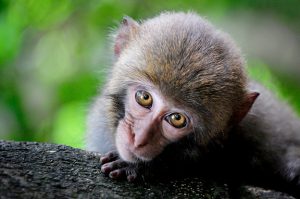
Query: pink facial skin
x=144, y=132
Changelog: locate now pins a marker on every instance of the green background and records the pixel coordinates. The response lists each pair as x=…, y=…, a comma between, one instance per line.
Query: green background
x=54, y=54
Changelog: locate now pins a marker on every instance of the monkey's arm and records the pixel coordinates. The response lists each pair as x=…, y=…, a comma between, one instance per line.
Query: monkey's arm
x=99, y=136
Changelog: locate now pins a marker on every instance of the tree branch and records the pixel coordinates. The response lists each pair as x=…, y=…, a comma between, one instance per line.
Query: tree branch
x=42, y=170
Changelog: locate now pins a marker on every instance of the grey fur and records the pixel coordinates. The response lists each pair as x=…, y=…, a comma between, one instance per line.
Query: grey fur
x=279, y=129
x=184, y=55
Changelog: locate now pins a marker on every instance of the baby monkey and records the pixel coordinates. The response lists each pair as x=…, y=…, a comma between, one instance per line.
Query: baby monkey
x=178, y=97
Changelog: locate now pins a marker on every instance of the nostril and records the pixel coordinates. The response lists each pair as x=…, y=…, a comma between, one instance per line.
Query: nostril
x=139, y=143
x=137, y=146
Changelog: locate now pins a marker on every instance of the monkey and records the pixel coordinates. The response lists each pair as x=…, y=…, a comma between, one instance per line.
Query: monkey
x=178, y=96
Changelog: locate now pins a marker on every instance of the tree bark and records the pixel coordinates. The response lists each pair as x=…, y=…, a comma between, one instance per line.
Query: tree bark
x=42, y=170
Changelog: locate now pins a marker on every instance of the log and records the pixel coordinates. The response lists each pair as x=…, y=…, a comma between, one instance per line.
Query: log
x=43, y=170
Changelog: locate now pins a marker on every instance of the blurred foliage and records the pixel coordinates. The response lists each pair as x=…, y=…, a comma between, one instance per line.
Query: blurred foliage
x=53, y=56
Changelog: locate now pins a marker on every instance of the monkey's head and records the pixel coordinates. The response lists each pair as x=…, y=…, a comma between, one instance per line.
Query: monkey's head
x=175, y=76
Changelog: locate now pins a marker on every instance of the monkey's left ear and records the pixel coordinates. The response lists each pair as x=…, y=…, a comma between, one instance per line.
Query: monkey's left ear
x=242, y=111
x=126, y=31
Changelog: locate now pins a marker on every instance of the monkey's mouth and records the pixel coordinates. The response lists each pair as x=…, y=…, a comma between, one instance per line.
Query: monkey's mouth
x=136, y=155
x=137, y=158
x=128, y=154
x=141, y=158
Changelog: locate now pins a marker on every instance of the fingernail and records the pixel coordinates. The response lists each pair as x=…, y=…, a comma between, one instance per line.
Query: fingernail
x=103, y=159
x=114, y=174
x=130, y=178
x=105, y=169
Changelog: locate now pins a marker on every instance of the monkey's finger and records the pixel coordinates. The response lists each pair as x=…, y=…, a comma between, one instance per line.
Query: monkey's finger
x=109, y=167
x=131, y=177
x=108, y=157
x=106, y=169
x=118, y=174
x=122, y=173
x=131, y=174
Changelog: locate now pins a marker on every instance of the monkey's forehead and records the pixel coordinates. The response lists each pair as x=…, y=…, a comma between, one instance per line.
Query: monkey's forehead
x=178, y=31
x=184, y=43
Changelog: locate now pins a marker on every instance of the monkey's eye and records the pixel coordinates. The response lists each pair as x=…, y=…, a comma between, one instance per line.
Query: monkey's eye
x=177, y=120
x=143, y=98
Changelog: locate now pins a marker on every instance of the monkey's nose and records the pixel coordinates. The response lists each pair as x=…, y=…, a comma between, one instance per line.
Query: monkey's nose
x=140, y=143
x=142, y=138
x=143, y=133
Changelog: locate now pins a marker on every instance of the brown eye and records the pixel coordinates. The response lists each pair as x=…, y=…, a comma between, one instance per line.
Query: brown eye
x=177, y=120
x=143, y=98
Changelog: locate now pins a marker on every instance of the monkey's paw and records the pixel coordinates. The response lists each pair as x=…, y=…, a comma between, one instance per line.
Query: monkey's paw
x=116, y=168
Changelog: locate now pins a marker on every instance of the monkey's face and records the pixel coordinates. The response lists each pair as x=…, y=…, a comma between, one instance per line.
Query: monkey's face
x=150, y=123
x=197, y=85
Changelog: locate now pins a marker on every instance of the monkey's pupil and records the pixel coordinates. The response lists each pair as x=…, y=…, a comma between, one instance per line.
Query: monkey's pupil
x=177, y=117
x=146, y=97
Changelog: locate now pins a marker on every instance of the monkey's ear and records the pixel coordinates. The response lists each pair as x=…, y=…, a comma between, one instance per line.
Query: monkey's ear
x=242, y=111
x=126, y=31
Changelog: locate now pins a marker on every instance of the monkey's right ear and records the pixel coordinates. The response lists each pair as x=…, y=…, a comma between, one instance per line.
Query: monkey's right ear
x=126, y=31
x=242, y=111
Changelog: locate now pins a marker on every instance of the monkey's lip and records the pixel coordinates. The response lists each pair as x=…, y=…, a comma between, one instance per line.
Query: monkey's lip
x=132, y=157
